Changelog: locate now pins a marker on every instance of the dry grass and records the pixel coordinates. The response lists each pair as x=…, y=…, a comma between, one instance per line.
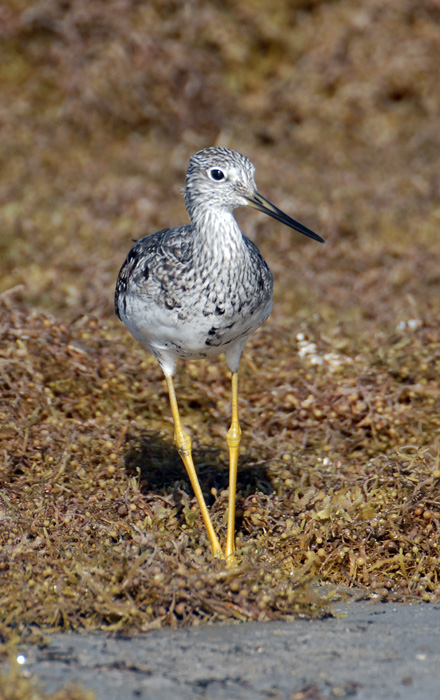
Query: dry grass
x=101, y=105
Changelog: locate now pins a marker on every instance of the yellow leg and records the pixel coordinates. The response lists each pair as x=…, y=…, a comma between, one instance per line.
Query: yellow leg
x=183, y=444
x=233, y=438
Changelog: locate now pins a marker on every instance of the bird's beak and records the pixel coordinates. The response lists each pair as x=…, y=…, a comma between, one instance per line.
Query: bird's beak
x=257, y=201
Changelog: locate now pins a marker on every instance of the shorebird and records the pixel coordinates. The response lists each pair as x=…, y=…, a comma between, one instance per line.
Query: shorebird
x=202, y=289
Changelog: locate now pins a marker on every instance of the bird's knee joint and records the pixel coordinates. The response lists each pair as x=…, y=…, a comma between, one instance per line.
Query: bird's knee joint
x=183, y=443
x=234, y=435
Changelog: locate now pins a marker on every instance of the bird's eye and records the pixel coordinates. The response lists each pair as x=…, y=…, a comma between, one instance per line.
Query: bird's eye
x=216, y=174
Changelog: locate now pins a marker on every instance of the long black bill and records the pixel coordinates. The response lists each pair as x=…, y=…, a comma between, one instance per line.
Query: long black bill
x=262, y=204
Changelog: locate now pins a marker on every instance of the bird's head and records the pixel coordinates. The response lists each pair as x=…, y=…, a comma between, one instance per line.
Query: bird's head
x=221, y=180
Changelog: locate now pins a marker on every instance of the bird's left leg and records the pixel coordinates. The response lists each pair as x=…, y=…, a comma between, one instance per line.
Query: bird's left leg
x=233, y=439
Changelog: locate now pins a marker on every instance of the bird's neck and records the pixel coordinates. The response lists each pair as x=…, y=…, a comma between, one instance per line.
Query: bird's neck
x=217, y=233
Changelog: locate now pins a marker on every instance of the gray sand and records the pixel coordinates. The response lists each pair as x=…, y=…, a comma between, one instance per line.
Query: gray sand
x=376, y=651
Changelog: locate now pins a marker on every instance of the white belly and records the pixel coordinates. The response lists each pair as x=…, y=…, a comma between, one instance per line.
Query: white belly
x=163, y=333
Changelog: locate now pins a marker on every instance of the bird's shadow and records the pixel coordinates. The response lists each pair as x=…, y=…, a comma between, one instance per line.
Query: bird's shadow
x=160, y=470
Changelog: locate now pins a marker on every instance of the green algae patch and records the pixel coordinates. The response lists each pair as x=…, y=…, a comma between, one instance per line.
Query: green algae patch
x=100, y=528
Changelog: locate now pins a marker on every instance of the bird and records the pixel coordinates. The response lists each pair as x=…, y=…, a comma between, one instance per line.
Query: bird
x=200, y=290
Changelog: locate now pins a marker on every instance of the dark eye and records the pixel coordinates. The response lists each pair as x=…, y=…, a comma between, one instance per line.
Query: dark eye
x=216, y=174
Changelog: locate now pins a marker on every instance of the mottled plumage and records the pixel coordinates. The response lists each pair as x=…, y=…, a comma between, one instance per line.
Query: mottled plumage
x=202, y=289
x=177, y=308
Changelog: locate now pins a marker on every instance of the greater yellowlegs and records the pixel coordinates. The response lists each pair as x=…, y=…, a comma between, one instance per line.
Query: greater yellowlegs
x=202, y=289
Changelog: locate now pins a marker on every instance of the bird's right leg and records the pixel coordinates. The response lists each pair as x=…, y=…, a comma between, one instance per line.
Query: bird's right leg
x=183, y=444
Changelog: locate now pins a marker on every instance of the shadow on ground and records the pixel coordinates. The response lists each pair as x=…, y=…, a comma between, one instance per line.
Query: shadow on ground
x=156, y=464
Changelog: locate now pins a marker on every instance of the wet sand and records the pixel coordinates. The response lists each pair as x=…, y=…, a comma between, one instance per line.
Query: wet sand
x=373, y=651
